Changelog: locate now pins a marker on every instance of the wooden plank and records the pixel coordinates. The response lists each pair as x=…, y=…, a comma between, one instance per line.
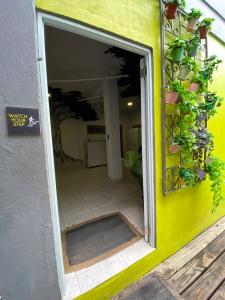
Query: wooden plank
x=182, y=279
x=220, y=293
x=183, y=256
x=209, y=282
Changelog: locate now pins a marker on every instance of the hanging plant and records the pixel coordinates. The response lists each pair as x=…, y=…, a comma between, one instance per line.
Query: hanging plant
x=198, y=83
x=210, y=65
x=192, y=19
x=212, y=102
x=188, y=176
x=204, y=27
x=216, y=170
x=133, y=161
x=193, y=45
x=176, y=50
x=172, y=96
x=172, y=6
x=187, y=65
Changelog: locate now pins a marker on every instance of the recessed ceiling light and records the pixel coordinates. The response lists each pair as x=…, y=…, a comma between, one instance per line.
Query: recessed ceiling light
x=49, y=95
x=130, y=103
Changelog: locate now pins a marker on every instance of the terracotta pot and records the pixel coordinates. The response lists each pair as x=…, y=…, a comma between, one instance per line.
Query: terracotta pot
x=171, y=97
x=193, y=52
x=194, y=87
x=202, y=32
x=173, y=149
x=171, y=10
x=177, y=54
x=191, y=24
x=184, y=72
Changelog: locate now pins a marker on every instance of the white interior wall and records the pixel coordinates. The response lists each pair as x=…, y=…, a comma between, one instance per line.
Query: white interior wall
x=74, y=132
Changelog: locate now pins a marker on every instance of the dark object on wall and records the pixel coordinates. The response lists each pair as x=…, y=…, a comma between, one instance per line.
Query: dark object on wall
x=96, y=129
x=130, y=66
x=65, y=106
x=22, y=121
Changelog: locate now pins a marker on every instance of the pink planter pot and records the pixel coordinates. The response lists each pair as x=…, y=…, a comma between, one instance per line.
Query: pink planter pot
x=194, y=87
x=171, y=97
x=191, y=24
x=173, y=149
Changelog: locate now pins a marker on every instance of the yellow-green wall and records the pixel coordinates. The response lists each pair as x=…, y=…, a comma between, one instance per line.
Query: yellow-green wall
x=181, y=215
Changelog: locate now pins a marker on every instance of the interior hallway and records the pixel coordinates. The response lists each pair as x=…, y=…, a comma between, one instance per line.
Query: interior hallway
x=87, y=193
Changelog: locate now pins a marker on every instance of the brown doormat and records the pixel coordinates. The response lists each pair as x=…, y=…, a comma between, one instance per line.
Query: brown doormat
x=92, y=241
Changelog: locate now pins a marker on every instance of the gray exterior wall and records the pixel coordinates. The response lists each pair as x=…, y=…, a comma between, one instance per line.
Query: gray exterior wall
x=27, y=256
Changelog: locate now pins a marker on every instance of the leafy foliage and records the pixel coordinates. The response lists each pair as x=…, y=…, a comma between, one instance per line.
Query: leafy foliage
x=194, y=13
x=190, y=63
x=188, y=176
x=216, y=170
x=180, y=3
x=133, y=161
x=207, y=22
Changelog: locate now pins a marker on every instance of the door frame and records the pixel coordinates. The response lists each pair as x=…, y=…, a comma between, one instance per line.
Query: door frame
x=147, y=116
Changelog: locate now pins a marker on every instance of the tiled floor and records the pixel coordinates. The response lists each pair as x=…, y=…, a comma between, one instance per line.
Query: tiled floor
x=84, y=194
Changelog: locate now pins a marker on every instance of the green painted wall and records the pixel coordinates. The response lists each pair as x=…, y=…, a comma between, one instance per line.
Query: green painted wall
x=182, y=215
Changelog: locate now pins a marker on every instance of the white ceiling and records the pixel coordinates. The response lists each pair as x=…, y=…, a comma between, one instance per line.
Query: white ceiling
x=71, y=56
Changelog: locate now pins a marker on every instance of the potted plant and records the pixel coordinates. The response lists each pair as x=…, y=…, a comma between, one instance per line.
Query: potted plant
x=176, y=49
x=173, y=148
x=187, y=65
x=216, y=168
x=210, y=65
x=192, y=47
x=192, y=19
x=171, y=8
x=204, y=139
x=133, y=161
x=173, y=95
x=188, y=175
x=212, y=101
x=198, y=83
x=204, y=27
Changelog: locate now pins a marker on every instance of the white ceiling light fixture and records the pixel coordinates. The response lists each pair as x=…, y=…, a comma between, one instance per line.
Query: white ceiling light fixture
x=130, y=103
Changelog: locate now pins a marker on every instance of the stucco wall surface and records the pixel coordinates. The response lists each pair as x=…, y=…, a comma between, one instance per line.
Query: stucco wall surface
x=182, y=215
x=27, y=257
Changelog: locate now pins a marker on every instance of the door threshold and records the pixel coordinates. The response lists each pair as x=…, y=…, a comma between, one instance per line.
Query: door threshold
x=80, y=282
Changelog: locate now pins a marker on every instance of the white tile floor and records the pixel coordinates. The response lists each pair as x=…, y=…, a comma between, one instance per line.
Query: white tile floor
x=84, y=194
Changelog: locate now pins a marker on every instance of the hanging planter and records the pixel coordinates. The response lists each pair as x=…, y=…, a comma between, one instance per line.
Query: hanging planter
x=194, y=87
x=188, y=64
x=176, y=50
x=172, y=6
x=204, y=27
x=192, y=19
x=193, y=45
x=184, y=72
x=174, y=148
x=172, y=96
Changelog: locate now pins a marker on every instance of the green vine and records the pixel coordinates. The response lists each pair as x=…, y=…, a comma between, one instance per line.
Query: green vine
x=193, y=108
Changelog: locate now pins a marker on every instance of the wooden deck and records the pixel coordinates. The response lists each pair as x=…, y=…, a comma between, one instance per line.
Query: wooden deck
x=196, y=272
x=203, y=277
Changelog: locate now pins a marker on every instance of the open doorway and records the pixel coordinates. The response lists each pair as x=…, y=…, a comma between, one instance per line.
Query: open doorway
x=97, y=115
